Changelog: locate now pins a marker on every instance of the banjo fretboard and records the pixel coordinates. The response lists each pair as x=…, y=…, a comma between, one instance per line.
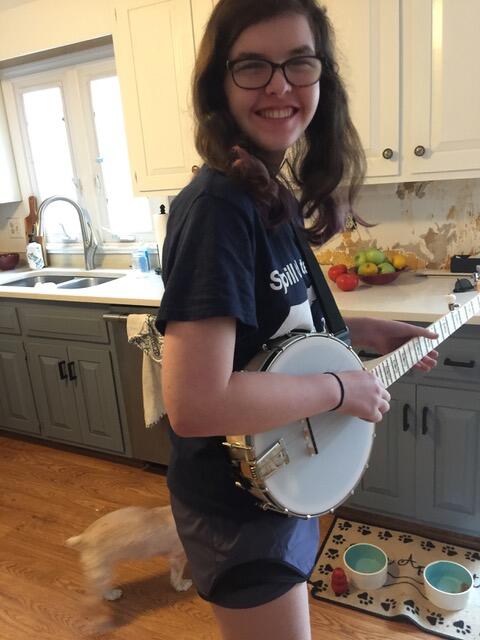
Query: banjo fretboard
x=397, y=363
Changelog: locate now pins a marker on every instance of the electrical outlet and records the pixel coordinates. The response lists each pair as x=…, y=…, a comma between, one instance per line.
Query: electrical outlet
x=15, y=229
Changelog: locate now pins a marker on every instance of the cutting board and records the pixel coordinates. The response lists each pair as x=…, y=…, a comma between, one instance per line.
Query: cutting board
x=31, y=226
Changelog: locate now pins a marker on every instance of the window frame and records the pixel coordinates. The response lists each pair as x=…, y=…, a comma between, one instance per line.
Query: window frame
x=72, y=72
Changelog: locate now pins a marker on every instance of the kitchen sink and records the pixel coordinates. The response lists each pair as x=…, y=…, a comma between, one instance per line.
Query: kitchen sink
x=62, y=281
x=31, y=281
x=81, y=283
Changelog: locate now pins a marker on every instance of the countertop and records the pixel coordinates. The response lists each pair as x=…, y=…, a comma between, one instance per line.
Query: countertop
x=411, y=297
x=128, y=288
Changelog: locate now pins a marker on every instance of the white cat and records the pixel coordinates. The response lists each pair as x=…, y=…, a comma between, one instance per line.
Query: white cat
x=128, y=534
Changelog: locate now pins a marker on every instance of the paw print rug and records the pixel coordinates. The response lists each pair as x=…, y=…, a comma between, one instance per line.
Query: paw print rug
x=402, y=596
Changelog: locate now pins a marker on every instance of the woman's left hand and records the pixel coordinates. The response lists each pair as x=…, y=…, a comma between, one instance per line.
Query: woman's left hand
x=387, y=335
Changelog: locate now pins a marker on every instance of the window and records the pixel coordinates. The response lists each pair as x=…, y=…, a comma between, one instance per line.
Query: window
x=71, y=123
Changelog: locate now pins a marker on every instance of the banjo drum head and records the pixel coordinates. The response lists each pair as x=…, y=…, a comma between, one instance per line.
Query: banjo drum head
x=313, y=484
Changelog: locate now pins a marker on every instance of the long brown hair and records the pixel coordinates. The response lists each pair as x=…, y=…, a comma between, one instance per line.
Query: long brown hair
x=329, y=153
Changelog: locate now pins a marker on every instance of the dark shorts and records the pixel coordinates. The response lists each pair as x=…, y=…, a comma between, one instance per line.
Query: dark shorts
x=242, y=564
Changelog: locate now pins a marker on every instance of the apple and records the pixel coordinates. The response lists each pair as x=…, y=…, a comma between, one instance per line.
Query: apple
x=386, y=267
x=336, y=270
x=359, y=258
x=367, y=269
x=375, y=255
x=347, y=281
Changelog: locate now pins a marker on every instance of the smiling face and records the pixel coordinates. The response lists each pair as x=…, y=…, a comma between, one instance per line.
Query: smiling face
x=276, y=116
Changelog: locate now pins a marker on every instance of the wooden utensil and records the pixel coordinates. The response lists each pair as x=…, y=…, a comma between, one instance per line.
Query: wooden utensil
x=31, y=226
x=31, y=219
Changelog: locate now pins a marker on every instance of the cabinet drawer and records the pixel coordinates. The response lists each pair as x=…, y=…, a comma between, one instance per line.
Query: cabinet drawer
x=9, y=319
x=73, y=322
x=459, y=361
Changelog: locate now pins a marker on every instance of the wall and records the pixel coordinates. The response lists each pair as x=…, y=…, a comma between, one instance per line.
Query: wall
x=428, y=222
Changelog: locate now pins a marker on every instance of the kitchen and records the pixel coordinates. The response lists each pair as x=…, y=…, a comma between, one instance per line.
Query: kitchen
x=426, y=206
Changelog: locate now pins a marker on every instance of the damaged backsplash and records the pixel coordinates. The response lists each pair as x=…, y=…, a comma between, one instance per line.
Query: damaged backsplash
x=428, y=222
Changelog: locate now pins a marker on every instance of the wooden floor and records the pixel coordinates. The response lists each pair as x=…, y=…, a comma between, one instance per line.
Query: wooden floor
x=48, y=494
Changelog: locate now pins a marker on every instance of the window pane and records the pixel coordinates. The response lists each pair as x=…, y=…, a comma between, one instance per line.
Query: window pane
x=51, y=159
x=127, y=214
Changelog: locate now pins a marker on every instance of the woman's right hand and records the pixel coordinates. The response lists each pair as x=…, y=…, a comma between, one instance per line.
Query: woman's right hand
x=364, y=395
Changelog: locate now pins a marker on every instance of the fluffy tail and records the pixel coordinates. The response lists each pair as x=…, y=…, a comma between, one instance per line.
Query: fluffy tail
x=76, y=541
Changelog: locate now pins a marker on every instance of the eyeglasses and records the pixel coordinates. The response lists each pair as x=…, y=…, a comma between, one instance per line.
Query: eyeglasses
x=256, y=73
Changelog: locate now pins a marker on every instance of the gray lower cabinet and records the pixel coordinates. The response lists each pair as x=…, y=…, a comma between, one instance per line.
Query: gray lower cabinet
x=17, y=407
x=448, y=453
x=75, y=393
x=389, y=482
x=424, y=463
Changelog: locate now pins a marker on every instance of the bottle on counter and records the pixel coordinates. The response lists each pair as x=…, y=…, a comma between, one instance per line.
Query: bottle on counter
x=34, y=254
x=140, y=260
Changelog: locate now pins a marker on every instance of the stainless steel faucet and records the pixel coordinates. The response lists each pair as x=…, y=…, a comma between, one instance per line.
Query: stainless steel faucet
x=90, y=243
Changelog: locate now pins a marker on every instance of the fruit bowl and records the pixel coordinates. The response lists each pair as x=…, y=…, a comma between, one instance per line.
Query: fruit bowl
x=380, y=278
x=8, y=261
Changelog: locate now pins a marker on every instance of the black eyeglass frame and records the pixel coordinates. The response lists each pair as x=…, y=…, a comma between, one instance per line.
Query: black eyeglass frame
x=274, y=66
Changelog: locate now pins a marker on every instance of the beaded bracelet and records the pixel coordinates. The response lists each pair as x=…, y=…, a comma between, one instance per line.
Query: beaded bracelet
x=342, y=390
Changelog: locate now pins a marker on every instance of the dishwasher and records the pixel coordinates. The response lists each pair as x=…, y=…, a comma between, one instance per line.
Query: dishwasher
x=152, y=444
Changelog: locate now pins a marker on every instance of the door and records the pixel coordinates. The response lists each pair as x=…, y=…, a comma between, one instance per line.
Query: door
x=388, y=485
x=53, y=391
x=91, y=375
x=368, y=41
x=442, y=97
x=154, y=53
x=17, y=408
x=448, y=451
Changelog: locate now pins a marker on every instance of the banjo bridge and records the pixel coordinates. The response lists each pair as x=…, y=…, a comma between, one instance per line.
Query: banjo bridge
x=271, y=461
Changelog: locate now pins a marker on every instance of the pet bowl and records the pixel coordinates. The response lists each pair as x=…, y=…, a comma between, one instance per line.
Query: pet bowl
x=366, y=566
x=8, y=261
x=448, y=585
x=380, y=278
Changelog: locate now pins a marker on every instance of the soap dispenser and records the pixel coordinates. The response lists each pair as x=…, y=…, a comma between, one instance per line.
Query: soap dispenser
x=34, y=254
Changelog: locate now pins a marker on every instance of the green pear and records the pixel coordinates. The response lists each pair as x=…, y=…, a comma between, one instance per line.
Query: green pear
x=359, y=258
x=376, y=256
x=386, y=267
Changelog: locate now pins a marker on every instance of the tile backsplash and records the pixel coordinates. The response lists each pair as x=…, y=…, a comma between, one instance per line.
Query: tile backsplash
x=427, y=221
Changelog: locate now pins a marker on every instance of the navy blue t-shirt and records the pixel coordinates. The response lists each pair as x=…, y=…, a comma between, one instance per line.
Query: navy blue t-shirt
x=220, y=260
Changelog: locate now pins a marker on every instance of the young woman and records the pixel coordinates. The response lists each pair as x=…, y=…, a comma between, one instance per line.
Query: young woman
x=265, y=82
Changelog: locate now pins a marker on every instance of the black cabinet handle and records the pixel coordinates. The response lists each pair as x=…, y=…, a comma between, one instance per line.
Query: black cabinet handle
x=406, y=409
x=458, y=363
x=424, y=421
x=61, y=370
x=71, y=371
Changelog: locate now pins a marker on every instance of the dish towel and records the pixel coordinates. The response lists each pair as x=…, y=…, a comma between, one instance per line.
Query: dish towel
x=142, y=332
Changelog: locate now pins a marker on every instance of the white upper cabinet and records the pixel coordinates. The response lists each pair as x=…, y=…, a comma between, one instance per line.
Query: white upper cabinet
x=442, y=89
x=432, y=131
x=154, y=43
x=9, y=189
x=367, y=37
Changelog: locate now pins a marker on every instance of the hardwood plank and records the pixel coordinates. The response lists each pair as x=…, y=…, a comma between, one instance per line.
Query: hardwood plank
x=50, y=493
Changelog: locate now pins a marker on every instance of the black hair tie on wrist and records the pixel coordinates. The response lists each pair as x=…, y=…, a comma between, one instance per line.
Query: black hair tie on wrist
x=342, y=390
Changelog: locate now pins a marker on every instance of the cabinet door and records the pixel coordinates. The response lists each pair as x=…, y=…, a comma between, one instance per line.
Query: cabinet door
x=368, y=41
x=442, y=97
x=91, y=375
x=154, y=52
x=448, y=451
x=54, y=393
x=17, y=408
x=388, y=483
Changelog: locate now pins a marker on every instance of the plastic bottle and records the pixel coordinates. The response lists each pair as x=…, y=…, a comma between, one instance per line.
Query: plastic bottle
x=140, y=261
x=34, y=254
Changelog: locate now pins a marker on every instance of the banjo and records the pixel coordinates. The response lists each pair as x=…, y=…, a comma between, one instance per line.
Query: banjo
x=310, y=467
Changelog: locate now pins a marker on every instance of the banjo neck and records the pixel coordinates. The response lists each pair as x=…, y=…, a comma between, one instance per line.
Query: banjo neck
x=398, y=362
